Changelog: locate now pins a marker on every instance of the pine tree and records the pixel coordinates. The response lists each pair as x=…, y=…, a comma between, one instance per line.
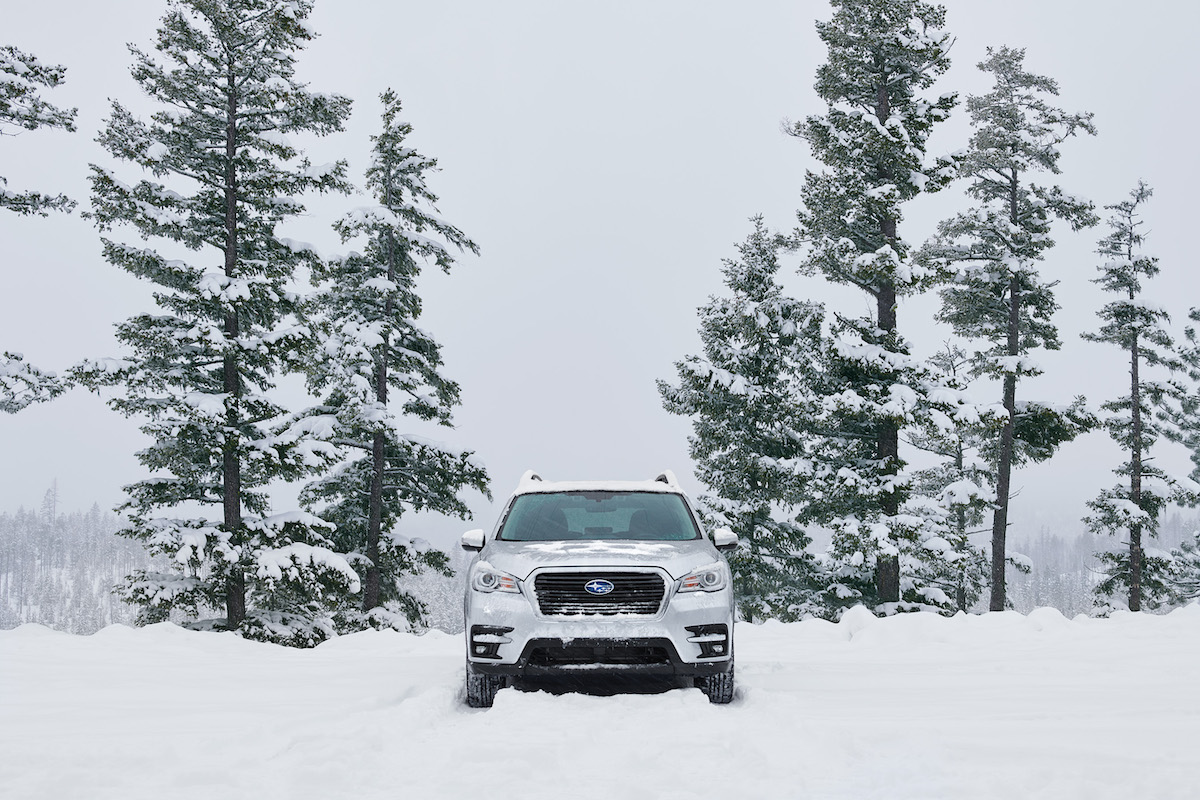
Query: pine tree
x=1183, y=575
x=961, y=482
x=998, y=295
x=872, y=142
x=751, y=400
x=201, y=367
x=1181, y=418
x=1136, y=327
x=22, y=107
x=50, y=504
x=375, y=368
x=1184, y=414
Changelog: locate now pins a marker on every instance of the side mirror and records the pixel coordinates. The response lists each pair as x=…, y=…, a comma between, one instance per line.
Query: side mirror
x=725, y=539
x=472, y=540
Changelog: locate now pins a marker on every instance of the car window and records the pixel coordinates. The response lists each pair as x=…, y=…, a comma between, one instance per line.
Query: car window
x=638, y=516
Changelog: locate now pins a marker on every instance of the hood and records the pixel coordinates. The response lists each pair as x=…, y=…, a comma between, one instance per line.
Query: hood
x=677, y=558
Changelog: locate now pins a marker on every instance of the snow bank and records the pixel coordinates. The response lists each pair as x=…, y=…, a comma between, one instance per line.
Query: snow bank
x=915, y=706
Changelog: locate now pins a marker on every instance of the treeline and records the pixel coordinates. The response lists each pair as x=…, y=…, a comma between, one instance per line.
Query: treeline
x=190, y=201
x=59, y=570
x=804, y=416
x=811, y=417
x=1065, y=568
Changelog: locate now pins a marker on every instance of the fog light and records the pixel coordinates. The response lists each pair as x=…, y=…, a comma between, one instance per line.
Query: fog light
x=486, y=640
x=711, y=639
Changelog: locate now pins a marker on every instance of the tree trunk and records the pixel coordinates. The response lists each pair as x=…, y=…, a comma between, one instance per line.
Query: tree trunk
x=887, y=573
x=371, y=592
x=1004, y=467
x=887, y=446
x=374, y=523
x=960, y=527
x=1135, y=481
x=235, y=586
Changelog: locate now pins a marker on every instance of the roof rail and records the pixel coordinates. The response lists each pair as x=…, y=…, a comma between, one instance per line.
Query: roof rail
x=528, y=478
x=667, y=477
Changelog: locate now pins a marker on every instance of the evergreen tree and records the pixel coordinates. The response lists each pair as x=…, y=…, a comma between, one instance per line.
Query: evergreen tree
x=961, y=482
x=997, y=294
x=1184, y=414
x=21, y=106
x=1182, y=418
x=200, y=368
x=1155, y=583
x=752, y=403
x=1183, y=574
x=376, y=367
x=872, y=143
x=1136, y=327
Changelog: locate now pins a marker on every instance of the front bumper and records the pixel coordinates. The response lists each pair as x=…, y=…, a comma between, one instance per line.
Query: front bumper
x=691, y=635
x=581, y=657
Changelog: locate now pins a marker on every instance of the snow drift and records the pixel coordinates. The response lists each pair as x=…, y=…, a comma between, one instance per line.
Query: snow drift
x=915, y=706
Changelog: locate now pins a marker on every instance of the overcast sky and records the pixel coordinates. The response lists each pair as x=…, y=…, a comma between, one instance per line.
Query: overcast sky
x=605, y=157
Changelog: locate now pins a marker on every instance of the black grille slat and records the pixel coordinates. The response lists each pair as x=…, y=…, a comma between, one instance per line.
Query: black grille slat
x=614, y=655
x=635, y=593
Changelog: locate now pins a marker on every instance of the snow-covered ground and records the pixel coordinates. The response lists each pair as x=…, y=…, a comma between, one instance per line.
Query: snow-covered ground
x=917, y=706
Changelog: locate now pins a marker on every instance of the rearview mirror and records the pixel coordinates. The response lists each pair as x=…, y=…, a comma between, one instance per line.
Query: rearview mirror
x=725, y=539
x=472, y=540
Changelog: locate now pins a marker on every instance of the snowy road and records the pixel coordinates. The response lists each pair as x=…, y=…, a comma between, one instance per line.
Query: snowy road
x=998, y=706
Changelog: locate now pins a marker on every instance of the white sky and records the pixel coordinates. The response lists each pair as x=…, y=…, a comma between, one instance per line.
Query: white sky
x=606, y=157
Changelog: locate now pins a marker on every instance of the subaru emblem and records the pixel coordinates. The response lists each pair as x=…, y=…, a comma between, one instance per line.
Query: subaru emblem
x=598, y=586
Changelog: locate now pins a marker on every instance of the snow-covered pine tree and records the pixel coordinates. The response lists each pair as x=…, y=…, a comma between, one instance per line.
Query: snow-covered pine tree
x=22, y=77
x=872, y=143
x=1135, y=326
x=1183, y=574
x=375, y=367
x=752, y=401
x=200, y=368
x=961, y=482
x=1182, y=418
x=997, y=294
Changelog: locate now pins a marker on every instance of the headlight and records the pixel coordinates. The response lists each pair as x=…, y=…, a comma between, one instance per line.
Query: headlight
x=487, y=579
x=706, y=579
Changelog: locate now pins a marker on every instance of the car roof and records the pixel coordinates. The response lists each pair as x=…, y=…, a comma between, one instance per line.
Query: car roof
x=532, y=483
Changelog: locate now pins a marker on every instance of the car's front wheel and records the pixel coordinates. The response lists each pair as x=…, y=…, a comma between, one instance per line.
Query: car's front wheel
x=718, y=687
x=481, y=689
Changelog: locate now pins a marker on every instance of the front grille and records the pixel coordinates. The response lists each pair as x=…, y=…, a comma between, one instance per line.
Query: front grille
x=563, y=593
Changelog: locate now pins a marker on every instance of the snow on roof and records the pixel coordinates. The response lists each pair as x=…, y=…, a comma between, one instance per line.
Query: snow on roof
x=532, y=483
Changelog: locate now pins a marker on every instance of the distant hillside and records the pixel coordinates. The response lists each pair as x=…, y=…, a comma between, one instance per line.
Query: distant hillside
x=59, y=570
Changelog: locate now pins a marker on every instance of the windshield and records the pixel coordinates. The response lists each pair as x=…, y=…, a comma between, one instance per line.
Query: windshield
x=640, y=516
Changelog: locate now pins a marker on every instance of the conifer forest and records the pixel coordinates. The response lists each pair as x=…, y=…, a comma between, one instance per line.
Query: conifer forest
x=310, y=375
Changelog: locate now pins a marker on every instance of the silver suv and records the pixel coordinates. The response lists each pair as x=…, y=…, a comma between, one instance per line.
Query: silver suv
x=598, y=577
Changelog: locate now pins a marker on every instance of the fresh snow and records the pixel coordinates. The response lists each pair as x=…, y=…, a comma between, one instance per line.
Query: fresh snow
x=913, y=706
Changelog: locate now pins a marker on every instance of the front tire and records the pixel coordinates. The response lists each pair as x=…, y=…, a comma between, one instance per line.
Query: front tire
x=481, y=689
x=718, y=687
